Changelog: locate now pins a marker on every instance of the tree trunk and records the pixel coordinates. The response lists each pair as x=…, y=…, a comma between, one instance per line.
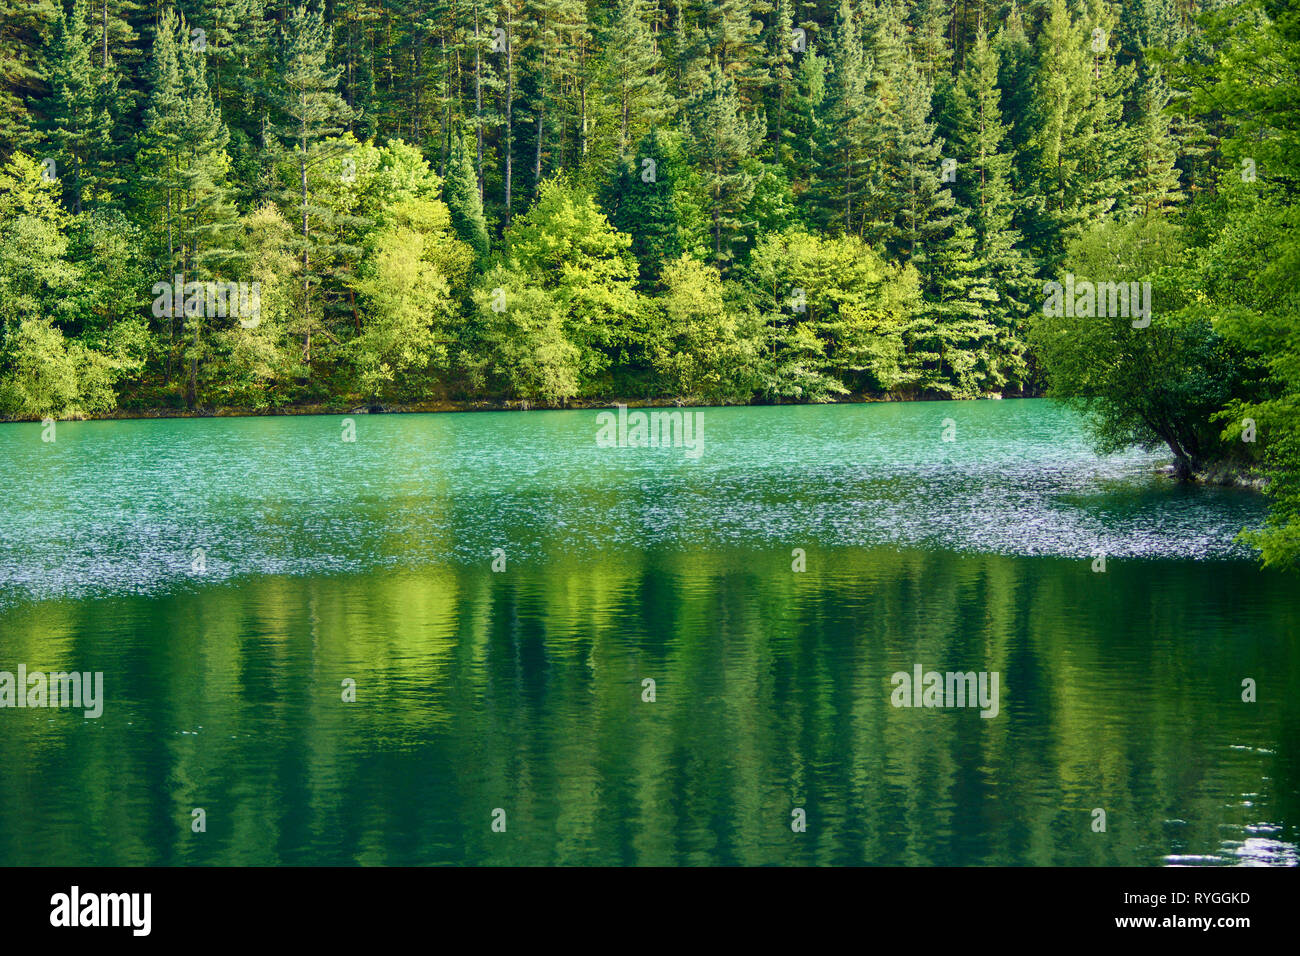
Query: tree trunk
x=478, y=106
x=510, y=96
x=306, y=314
x=541, y=132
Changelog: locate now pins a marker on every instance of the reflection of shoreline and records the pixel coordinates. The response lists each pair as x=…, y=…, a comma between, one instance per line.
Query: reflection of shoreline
x=523, y=690
x=484, y=405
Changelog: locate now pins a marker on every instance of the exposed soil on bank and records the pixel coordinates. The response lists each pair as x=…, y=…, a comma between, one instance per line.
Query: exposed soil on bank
x=1223, y=476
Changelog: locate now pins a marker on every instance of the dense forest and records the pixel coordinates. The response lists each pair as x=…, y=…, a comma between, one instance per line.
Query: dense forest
x=252, y=204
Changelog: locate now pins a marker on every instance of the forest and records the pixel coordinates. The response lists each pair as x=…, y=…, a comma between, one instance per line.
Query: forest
x=258, y=206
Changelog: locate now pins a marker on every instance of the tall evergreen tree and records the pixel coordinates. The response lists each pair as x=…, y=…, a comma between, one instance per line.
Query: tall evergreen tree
x=804, y=127
x=1155, y=185
x=723, y=140
x=79, y=123
x=982, y=184
x=460, y=191
x=657, y=204
x=184, y=163
x=849, y=147
x=779, y=42
x=24, y=25
x=926, y=211
x=313, y=114
x=632, y=70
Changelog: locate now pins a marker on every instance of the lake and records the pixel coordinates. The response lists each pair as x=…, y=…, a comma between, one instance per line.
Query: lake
x=564, y=653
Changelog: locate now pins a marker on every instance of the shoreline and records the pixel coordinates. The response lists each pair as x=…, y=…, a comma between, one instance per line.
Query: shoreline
x=1222, y=476
x=475, y=405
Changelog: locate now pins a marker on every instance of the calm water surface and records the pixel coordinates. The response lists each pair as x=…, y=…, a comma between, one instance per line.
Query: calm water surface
x=227, y=576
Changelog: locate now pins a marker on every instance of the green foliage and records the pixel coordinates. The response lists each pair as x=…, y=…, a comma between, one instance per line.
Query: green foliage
x=35, y=276
x=525, y=343
x=565, y=247
x=657, y=200
x=721, y=137
x=839, y=317
x=405, y=288
x=464, y=202
x=45, y=374
x=705, y=347
x=1151, y=385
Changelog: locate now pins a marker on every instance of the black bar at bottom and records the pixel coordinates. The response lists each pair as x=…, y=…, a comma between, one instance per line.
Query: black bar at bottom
x=336, y=906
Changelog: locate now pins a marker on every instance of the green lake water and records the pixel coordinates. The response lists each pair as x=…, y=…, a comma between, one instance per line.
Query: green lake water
x=228, y=576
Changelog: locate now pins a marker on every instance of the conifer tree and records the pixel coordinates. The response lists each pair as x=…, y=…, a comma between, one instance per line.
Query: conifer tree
x=184, y=166
x=313, y=114
x=982, y=185
x=962, y=300
x=460, y=192
x=1060, y=106
x=926, y=211
x=236, y=47
x=78, y=123
x=928, y=20
x=1155, y=184
x=736, y=46
x=657, y=204
x=632, y=71
x=722, y=139
x=779, y=44
x=845, y=148
x=22, y=60
x=803, y=124
x=1103, y=147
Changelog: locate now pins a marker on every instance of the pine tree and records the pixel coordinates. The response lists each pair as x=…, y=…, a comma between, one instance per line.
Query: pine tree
x=355, y=21
x=657, y=204
x=779, y=45
x=848, y=145
x=1017, y=73
x=164, y=121
x=963, y=298
x=206, y=211
x=484, y=81
x=803, y=124
x=24, y=23
x=890, y=83
x=183, y=167
x=313, y=113
x=983, y=187
x=930, y=48
x=236, y=46
x=735, y=45
x=1060, y=106
x=632, y=69
x=723, y=140
x=460, y=192
x=505, y=38
x=78, y=123
x=1103, y=148
x=556, y=27
x=925, y=207
x=1154, y=186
